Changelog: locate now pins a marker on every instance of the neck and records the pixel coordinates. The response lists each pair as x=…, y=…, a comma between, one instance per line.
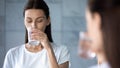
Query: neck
x=33, y=48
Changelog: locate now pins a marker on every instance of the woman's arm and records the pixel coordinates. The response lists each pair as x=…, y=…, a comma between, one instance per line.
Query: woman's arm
x=53, y=61
x=42, y=37
x=64, y=65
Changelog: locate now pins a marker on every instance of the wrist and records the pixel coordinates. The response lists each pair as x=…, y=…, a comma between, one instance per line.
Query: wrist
x=49, y=50
x=49, y=47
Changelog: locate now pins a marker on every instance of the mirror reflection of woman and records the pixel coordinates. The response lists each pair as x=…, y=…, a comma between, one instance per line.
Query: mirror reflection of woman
x=45, y=55
x=103, y=25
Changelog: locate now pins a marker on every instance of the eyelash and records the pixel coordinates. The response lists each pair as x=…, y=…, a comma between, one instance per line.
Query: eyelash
x=29, y=21
x=39, y=21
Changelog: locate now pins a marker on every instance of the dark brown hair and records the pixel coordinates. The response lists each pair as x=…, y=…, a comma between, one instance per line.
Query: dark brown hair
x=39, y=4
x=109, y=11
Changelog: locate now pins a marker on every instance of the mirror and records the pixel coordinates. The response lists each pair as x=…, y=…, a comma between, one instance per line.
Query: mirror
x=67, y=20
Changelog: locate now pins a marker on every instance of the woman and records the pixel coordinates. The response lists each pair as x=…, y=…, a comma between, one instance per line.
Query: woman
x=103, y=25
x=46, y=54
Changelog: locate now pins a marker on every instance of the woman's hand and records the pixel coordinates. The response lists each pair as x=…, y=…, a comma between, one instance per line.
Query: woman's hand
x=42, y=37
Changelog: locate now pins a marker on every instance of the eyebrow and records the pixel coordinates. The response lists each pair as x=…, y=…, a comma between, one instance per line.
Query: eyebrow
x=41, y=17
x=37, y=17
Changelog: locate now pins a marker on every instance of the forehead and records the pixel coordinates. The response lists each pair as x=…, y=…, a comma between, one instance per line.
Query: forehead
x=34, y=13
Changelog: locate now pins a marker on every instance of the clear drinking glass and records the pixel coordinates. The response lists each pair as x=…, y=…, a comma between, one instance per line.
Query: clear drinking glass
x=31, y=41
x=84, y=46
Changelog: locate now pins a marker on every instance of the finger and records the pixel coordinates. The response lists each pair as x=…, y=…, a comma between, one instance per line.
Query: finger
x=40, y=34
x=34, y=38
x=34, y=31
x=37, y=38
x=37, y=34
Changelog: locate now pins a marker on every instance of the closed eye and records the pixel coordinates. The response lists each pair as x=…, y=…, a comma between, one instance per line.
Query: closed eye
x=40, y=20
x=28, y=20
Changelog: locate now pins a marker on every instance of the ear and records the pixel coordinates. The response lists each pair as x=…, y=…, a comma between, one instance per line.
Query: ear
x=49, y=20
x=97, y=20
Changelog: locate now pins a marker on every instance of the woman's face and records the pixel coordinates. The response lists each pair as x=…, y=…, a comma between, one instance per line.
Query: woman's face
x=36, y=19
x=94, y=30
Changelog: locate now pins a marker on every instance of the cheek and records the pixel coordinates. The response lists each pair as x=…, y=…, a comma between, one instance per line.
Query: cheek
x=95, y=35
x=97, y=44
x=26, y=25
x=41, y=26
x=89, y=26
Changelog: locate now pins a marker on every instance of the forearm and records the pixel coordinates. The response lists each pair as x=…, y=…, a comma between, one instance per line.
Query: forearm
x=52, y=58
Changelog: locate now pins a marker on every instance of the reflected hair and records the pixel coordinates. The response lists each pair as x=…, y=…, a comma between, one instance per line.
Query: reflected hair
x=109, y=10
x=39, y=4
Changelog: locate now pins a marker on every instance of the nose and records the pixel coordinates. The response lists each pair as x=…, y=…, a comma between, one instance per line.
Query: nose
x=34, y=25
